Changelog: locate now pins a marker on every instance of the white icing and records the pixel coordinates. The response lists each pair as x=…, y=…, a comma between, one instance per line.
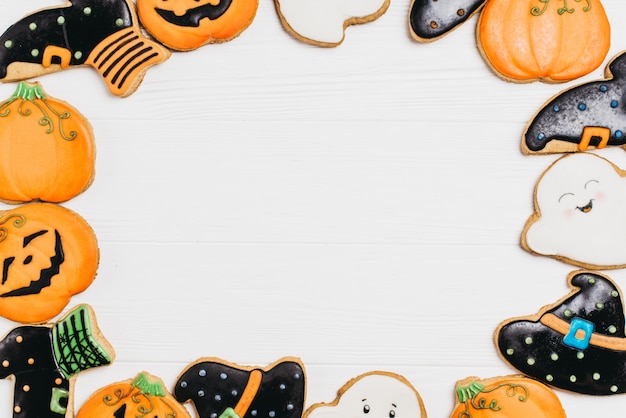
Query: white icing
x=381, y=393
x=597, y=237
x=323, y=20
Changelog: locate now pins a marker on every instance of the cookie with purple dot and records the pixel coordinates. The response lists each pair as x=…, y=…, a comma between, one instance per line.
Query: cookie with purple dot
x=102, y=34
x=431, y=19
x=586, y=116
x=577, y=344
x=220, y=389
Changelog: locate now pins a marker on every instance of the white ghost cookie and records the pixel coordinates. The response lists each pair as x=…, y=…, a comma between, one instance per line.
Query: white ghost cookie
x=323, y=22
x=580, y=202
x=372, y=395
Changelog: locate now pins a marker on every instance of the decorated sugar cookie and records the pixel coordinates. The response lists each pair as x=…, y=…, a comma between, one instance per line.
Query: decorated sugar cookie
x=48, y=148
x=47, y=255
x=102, y=34
x=143, y=396
x=184, y=25
x=577, y=344
x=547, y=40
x=373, y=395
x=45, y=359
x=505, y=397
x=324, y=22
x=429, y=20
x=221, y=389
x=580, y=203
x=588, y=115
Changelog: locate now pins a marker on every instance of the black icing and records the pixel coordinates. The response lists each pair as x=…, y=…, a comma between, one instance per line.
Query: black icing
x=540, y=352
x=213, y=387
x=77, y=28
x=430, y=19
x=595, y=104
x=193, y=16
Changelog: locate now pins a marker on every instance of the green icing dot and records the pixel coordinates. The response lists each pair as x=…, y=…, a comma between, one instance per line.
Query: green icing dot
x=32, y=26
x=613, y=388
x=87, y=11
x=528, y=340
x=567, y=313
x=34, y=52
x=530, y=361
x=554, y=356
x=78, y=55
x=596, y=376
x=572, y=378
x=8, y=44
x=612, y=329
x=60, y=20
x=614, y=293
x=510, y=351
x=549, y=378
x=600, y=305
x=592, y=281
x=119, y=22
x=580, y=355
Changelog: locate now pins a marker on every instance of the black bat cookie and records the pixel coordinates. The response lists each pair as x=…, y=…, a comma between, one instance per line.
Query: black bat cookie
x=102, y=34
x=43, y=360
x=591, y=114
x=577, y=344
x=431, y=19
x=224, y=390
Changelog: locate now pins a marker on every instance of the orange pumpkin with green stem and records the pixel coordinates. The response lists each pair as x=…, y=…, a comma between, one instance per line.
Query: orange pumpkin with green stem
x=142, y=397
x=47, y=148
x=505, y=397
x=547, y=40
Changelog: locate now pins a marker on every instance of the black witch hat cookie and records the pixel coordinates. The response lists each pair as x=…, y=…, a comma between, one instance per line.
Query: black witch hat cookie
x=219, y=389
x=429, y=20
x=102, y=34
x=577, y=344
x=589, y=115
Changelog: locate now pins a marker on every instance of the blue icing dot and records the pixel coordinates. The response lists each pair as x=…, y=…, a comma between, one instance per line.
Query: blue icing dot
x=604, y=88
x=223, y=376
x=183, y=384
x=253, y=412
x=541, y=136
x=556, y=108
x=202, y=373
x=201, y=393
x=619, y=134
x=614, y=103
x=213, y=414
x=582, y=106
x=218, y=397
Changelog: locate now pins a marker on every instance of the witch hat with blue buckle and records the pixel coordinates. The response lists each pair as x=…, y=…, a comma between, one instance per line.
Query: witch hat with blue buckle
x=577, y=344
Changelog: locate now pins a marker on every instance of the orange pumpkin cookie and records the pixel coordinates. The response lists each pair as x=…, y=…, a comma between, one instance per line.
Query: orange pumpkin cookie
x=47, y=254
x=44, y=360
x=505, y=397
x=49, y=151
x=143, y=396
x=547, y=40
x=188, y=24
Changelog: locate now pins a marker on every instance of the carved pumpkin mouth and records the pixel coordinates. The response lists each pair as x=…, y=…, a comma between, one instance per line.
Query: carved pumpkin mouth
x=193, y=16
x=587, y=208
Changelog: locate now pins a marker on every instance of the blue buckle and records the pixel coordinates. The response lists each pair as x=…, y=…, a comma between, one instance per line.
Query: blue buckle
x=576, y=326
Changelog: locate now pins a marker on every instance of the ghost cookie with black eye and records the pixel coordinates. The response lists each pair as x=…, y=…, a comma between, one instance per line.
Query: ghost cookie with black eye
x=102, y=34
x=376, y=394
x=580, y=201
x=183, y=25
x=429, y=20
x=590, y=115
x=44, y=360
x=324, y=22
x=577, y=344
x=220, y=389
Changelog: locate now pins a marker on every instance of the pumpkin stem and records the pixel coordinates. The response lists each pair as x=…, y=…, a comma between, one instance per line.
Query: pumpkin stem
x=148, y=386
x=469, y=392
x=28, y=91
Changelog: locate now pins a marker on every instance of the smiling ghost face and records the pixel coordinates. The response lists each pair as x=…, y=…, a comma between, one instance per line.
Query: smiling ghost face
x=47, y=254
x=375, y=395
x=581, y=203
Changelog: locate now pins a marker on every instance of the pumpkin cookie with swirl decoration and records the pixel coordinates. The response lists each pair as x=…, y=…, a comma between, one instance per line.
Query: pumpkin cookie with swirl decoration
x=546, y=40
x=44, y=360
x=505, y=397
x=184, y=25
x=102, y=34
x=49, y=150
x=47, y=255
x=143, y=396
x=376, y=394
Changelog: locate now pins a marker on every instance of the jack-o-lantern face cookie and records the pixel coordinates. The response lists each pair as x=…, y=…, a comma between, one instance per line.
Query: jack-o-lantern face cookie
x=102, y=34
x=505, y=397
x=48, y=148
x=375, y=394
x=45, y=359
x=143, y=396
x=188, y=24
x=580, y=203
x=47, y=254
x=577, y=344
x=324, y=22
x=219, y=389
